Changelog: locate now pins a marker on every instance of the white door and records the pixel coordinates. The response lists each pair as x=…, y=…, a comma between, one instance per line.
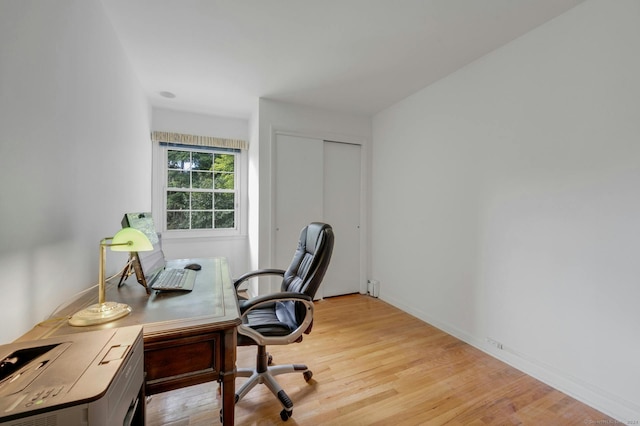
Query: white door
x=319, y=181
x=342, y=211
x=298, y=192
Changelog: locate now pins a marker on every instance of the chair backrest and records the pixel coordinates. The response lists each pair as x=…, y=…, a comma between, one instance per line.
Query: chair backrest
x=311, y=259
x=306, y=271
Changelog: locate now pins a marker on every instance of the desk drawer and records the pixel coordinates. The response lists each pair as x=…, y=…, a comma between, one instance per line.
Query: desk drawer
x=180, y=362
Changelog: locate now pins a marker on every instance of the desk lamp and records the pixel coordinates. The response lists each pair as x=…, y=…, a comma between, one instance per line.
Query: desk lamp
x=127, y=239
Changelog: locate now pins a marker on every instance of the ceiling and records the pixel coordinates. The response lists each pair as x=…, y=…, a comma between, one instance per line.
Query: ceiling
x=356, y=56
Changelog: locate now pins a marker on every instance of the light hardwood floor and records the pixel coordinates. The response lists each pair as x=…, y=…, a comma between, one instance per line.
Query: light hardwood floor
x=376, y=365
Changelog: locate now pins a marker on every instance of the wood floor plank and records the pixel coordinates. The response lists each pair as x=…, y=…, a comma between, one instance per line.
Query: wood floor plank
x=376, y=365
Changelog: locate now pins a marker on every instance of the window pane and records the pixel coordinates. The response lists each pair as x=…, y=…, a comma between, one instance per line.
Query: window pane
x=202, y=220
x=225, y=220
x=178, y=179
x=202, y=200
x=178, y=220
x=224, y=163
x=224, y=181
x=202, y=161
x=224, y=200
x=179, y=160
x=203, y=180
x=177, y=200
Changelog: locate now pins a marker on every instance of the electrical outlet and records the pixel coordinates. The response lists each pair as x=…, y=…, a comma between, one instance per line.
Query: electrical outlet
x=494, y=343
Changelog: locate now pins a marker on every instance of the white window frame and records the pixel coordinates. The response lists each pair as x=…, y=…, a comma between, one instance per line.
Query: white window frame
x=159, y=194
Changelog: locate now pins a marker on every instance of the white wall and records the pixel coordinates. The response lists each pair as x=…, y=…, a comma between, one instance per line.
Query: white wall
x=253, y=177
x=513, y=189
x=234, y=248
x=280, y=116
x=166, y=120
x=74, y=153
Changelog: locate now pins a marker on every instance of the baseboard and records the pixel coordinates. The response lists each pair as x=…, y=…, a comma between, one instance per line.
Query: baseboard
x=611, y=405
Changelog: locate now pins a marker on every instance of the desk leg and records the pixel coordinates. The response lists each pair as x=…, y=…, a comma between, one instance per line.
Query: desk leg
x=228, y=376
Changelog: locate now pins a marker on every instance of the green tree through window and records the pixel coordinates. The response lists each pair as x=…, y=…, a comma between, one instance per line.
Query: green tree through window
x=201, y=190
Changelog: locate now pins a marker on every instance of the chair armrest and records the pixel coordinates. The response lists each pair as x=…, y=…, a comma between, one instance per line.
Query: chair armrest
x=292, y=337
x=257, y=273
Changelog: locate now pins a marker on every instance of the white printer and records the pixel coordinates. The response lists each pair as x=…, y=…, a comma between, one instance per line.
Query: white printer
x=91, y=378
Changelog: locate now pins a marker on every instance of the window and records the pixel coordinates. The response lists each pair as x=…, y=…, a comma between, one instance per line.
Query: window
x=201, y=189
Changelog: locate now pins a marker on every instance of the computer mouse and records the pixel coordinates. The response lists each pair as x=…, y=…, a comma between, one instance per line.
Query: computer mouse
x=193, y=266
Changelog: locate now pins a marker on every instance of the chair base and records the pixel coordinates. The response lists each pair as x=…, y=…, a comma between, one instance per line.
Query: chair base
x=264, y=374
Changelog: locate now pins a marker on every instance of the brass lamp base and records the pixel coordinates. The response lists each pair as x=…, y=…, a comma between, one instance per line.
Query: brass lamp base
x=99, y=314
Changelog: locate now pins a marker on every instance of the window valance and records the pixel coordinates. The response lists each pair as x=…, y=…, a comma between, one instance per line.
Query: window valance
x=183, y=139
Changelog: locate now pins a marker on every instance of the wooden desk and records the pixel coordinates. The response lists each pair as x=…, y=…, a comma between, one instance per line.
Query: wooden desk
x=189, y=338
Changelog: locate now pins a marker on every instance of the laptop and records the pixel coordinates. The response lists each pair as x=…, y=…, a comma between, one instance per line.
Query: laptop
x=150, y=266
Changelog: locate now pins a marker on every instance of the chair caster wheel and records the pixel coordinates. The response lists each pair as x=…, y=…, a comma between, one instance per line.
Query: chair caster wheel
x=307, y=375
x=284, y=415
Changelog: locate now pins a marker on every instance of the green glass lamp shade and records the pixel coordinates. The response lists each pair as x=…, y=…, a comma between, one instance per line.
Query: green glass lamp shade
x=130, y=239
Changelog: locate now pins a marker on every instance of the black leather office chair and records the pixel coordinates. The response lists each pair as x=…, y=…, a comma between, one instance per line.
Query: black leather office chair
x=282, y=318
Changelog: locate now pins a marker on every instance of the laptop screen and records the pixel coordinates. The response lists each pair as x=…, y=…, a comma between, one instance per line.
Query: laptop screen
x=149, y=263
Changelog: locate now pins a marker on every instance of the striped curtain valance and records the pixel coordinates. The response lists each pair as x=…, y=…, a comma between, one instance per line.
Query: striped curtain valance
x=196, y=140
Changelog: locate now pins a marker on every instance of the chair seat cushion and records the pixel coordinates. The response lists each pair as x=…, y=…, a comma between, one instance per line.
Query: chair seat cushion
x=270, y=319
x=266, y=322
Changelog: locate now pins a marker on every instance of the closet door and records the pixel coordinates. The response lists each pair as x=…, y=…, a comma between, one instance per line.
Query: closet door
x=342, y=193
x=298, y=192
x=318, y=180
